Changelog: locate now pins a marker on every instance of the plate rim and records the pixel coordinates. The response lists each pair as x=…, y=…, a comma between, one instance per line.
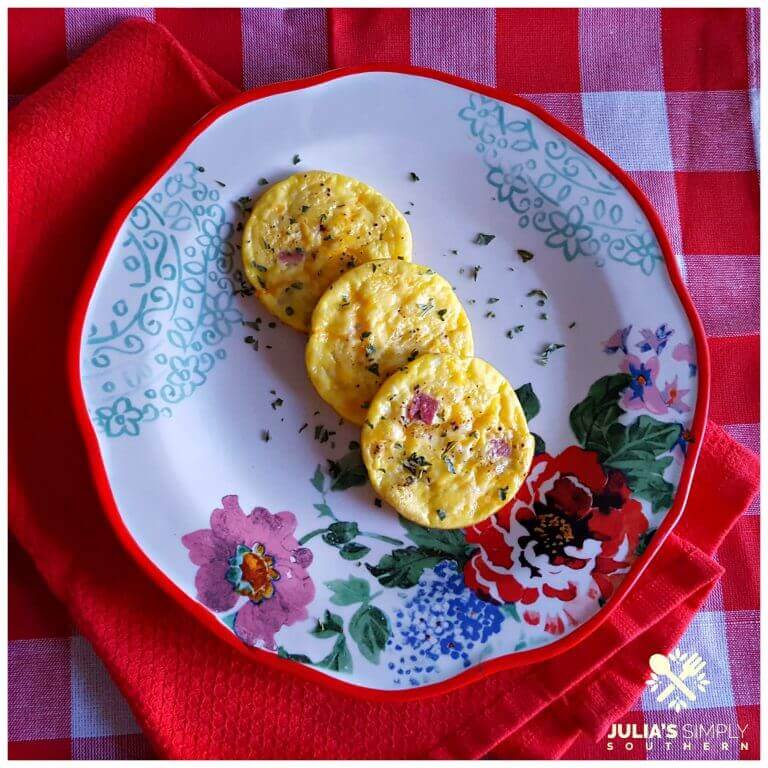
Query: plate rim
x=199, y=611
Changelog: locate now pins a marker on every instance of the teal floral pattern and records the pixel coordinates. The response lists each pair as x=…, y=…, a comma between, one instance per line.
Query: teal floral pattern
x=176, y=306
x=555, y=189
x=124, y=418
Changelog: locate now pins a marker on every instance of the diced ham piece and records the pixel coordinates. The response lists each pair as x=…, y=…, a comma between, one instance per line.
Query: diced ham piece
x=498, y=448
x=290, y=258
x=422, y=408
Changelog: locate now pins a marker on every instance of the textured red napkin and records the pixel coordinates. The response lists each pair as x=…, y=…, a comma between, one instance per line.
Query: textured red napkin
x=76, y=147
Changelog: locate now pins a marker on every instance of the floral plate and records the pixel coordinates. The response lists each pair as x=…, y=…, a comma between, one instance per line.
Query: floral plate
x=243, y=494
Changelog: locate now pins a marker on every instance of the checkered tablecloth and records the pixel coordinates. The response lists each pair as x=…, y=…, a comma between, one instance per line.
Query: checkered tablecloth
x=670, y=95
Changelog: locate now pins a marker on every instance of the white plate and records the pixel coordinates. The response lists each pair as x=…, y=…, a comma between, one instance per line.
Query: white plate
x=175, y=403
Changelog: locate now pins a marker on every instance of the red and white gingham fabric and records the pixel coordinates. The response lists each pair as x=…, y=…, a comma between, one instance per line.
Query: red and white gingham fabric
x=671, y=95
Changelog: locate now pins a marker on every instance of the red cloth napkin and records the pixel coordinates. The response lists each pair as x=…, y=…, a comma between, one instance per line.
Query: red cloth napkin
x=76, y=147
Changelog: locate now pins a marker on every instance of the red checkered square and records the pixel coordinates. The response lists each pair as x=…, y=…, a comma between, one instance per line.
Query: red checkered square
x=725, y=290
x=32, y=610
x=719, y=212
x=704, y=49
x=523, y=38
x=735, y=381
x=748, y=719
x=739, y=554
x=659, y=188
x=744, y=658
x=39, y=701
x=621, y=49
x=40, y=749
x=564, y=106
x=367, y=36
x=711, y=131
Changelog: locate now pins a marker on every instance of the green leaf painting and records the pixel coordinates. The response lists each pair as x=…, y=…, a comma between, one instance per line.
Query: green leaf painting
x=369, y=628
x=349, y=591
x=528, y=400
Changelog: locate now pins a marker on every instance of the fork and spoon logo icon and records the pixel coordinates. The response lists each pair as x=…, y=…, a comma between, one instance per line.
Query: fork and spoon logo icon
x=686, y=676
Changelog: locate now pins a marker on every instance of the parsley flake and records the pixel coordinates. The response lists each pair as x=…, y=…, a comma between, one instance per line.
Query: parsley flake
x=543, y=357
x=413, y=176
x=417, y=465
x=503, y=492
x=538, y=292
x=481, y=238
x=441, y=313
x=524, y=255
x=440, y=513
x=265, y=436
x=476, y=271
x=425, y=308
x=296, y=160
x=263, y=181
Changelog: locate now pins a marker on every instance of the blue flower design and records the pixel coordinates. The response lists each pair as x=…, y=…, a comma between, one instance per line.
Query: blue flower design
x=220, y=314
x=510, y=182
x=642, y=250
x=654, y=340
x=186, y=374
x=215, y=240
x=123, y=418
x=485, y=117
x=617, y=341
x=571, y=198
x=443, y=619
x=569, y=232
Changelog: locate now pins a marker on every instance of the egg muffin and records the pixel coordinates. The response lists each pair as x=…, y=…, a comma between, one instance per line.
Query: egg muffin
x=309, y=229
x=373, y=320
x=446, y=441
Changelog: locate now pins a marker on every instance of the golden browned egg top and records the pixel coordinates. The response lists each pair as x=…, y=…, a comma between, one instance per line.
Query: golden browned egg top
x=373, y=320
x=446, y=442
x=307, y=230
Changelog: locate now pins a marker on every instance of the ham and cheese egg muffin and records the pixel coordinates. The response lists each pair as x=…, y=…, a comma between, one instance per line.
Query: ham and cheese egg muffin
x=310, y=228
x=375, y=319
x=446, y=442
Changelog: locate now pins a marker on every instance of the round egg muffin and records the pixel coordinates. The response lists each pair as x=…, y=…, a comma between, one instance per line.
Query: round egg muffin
x=310, y=228
x=375, y=319
x=446, y=441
